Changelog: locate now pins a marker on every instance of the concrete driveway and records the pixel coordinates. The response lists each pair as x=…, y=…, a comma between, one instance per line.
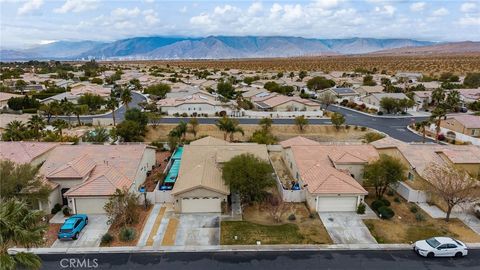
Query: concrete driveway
x=198, y=230
x=346, y=228
x=90, y=236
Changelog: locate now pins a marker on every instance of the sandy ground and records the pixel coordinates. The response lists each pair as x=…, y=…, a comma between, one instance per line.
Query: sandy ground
x=321, y=133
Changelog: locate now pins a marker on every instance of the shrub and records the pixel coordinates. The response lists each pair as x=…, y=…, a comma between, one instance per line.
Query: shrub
x=386, y=212
x=397, y=200
x=413, y=209
x=127, y=234
x=385, y=201
x=373, y=136
x=106, y=239
x=292, y=217
x=419, y=217
x=57, y=208
x=347, y=126
x=363, y=128
x=377, y=204
x=361, y=209
x=380, y=113
x=66, y=211
x=311, y=215
x=390, y=192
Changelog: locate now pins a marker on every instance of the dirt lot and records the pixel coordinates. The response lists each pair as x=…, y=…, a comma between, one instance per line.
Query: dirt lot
x=321, y=133
x=157, y=173
x=281, y=169
x=115, y=230
x=405, y=228
x=51, y=235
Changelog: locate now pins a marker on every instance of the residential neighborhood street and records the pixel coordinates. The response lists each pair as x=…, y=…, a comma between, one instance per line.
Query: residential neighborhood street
x=264, y=260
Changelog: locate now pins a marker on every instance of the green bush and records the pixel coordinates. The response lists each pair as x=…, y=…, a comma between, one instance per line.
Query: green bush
x=126, y=234
x=66, y=211
x=386, y=212
x=363, y=128
x=57, y=208
x=106, y=239
x=32, y=110
x=311, y=215
x=397, y=200
x=361, y=209
x=390, y=192
x=377, y=204
x=413, y=209
x=292, y=217
x=385, y=201
x=419, y=217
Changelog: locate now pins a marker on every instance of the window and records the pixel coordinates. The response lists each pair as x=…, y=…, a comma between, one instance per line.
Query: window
x=410, y=176
x=444, y=246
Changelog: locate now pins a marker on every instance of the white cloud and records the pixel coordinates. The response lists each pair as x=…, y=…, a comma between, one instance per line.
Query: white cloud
x=202, y=19
x=440, y=12
x=76, y=6
x=326, y=4
x=418, y=6
x=254, y=8
x=468, y=7
x=30, y=6
x=125, y=12
x=151, y=16
x=386, y=10
x=470, y=21
x=149, y=1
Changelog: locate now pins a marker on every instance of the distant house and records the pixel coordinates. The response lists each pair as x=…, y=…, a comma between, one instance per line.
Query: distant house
x=410, y=76
x=469, y=95
x=4, y=97
x=198, y=103
x=330, y=174
x=366, y=90
x=200, y=187
x=422, y=98
x=281, y=103
x=465, y=124
x=341, y=92
x=80, y=89
x=374, y=99
x=33, y=153
x=34, y=87
x=68, y=96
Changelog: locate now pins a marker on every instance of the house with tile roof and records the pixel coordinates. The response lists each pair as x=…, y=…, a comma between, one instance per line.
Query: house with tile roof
x=331, y=175
x=34, y=153
x=417, y=157
x=199, y=187
x=281, y=103
x=83, y=177
x=4, y=97
x=196, y=103
x=465, y=124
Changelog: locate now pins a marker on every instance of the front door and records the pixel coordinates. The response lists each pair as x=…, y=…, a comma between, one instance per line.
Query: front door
x=64, y=199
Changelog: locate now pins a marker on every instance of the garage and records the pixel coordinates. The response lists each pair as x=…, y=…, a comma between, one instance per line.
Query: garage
x=201, y=205
x=91, y=205
x=336, y=203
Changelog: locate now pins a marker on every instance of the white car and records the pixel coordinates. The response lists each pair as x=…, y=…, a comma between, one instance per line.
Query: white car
x=440, y=247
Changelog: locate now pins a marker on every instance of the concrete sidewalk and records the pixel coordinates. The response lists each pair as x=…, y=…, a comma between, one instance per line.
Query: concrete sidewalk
x=164, y=249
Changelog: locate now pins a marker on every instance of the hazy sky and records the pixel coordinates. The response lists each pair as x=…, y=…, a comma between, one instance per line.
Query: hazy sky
x=25, y=23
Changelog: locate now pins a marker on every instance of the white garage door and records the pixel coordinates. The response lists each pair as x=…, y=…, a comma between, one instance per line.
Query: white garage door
x=336, y=204
x=201, y=205
x=90, y=205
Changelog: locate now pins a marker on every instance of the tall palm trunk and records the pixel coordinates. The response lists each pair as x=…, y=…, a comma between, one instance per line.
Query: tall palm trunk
x=113, y=117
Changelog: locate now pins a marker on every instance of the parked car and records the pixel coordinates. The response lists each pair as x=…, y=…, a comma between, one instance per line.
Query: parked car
x=440, y=247
x=72, y=227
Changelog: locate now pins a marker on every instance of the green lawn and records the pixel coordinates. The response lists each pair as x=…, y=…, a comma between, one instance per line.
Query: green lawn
x=248, y=233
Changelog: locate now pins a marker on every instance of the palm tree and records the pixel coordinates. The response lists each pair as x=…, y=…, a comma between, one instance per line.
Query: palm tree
x=193, y=126
x=67, y=109
x=301, y=122
x=15, y=131
x=438, y=96
x=223, y=124
x=98, y=135
x=36, y=124
x=437, y=114
x=59, y=126
x=20, y=226
x=235, y=128
x=266, y=123
x=126, y=97
x=50, y=109
x=182, y=129
x=78, y=110
x=112, y=104
x=423, y=125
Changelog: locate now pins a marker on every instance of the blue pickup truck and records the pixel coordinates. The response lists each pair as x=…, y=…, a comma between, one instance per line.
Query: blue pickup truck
x=72, y=227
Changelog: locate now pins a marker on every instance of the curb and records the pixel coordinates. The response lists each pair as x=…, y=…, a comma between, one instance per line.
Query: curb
x=239, y=248
x=378, y=116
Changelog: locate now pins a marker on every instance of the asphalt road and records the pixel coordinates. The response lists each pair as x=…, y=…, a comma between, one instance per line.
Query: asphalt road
x=262, y=260
x=395, y=127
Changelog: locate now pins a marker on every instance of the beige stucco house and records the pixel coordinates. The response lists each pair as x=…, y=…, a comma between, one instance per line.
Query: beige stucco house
x=465, y=124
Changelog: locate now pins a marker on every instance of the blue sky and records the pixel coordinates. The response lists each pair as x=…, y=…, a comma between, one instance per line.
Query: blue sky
x=25, y=23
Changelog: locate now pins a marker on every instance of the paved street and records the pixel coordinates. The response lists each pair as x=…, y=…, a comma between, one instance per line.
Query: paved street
x=358, y=260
